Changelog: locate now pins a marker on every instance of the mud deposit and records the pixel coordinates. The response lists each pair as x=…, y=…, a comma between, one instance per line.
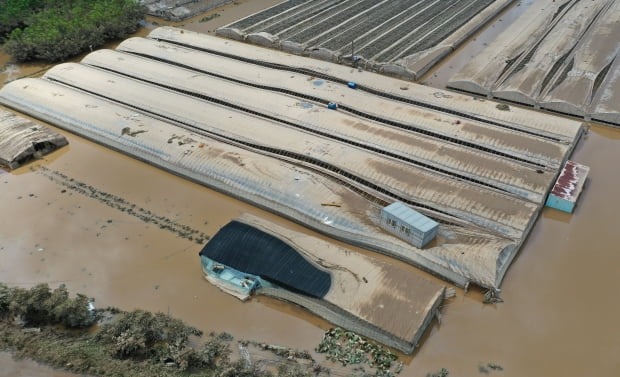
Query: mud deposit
x=559, y=317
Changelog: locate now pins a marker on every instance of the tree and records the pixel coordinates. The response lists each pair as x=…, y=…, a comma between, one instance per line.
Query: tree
x=41, y=306
x=141, y=335
x=62, y=29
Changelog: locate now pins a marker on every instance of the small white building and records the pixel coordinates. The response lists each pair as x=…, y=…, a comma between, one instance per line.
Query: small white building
x=408, y=224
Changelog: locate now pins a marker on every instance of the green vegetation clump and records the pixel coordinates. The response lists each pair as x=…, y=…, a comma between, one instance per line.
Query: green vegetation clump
x=137, y=343
x=503, y=107
x=56, y=30
x=41, y=306
x=13, y=13
x=443, y=372
x=209, y=18
x=347, y=348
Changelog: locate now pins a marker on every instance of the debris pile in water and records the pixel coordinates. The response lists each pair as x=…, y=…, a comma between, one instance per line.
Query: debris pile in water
x=443, y=372
x=491, y=296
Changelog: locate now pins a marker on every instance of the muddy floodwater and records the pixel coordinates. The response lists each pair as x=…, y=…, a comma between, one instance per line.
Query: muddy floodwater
x=129, y=234
x=26, y=368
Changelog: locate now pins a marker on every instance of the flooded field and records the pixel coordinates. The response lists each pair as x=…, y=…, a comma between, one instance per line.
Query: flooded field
x=61, y=222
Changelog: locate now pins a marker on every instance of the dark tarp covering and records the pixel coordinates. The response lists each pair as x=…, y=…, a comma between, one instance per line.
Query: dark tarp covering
x=253, y=251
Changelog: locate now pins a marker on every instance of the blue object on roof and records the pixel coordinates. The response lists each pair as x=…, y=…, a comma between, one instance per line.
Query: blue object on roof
x=352, y=84
x=237, y=283
x=332, y=106
x=408, y=224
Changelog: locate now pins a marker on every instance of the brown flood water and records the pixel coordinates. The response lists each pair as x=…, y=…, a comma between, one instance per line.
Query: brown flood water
x=26, y=368
x=559, y=317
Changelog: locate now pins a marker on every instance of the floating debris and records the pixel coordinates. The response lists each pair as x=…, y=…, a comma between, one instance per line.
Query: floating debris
x=331, y=204
x=491, y=296
x=128, y=131
x=443, y=372
x=450, y=292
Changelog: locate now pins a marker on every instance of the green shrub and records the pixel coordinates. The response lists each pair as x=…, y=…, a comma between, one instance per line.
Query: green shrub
x=13, y=13
x=40, y=306
x=211, y=352
x=56, y=33
x=138, y=343
x=142, y=335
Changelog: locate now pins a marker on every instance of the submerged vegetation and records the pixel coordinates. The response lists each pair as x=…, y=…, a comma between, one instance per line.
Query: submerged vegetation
x=53, y=328
x=346, y=347
x=443, y=372
x=209, y=18
x=42, y=306
x=54, y=30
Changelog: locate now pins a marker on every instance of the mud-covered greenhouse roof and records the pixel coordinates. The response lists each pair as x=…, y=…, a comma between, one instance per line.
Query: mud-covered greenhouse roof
x=254, y=123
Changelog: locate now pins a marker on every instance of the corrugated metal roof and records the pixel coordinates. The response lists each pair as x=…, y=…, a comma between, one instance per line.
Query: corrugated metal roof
x=411, y=216
x=570, y=181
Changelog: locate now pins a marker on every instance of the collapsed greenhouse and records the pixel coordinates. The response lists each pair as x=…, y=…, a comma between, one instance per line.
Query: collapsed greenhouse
x=562, y=57
x=254, y=123
x=22, y=140
x=175, y=10
x=399, y=38
x=373, y=298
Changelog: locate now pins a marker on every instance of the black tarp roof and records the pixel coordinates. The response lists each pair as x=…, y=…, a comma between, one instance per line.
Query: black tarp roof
x=247, y=249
